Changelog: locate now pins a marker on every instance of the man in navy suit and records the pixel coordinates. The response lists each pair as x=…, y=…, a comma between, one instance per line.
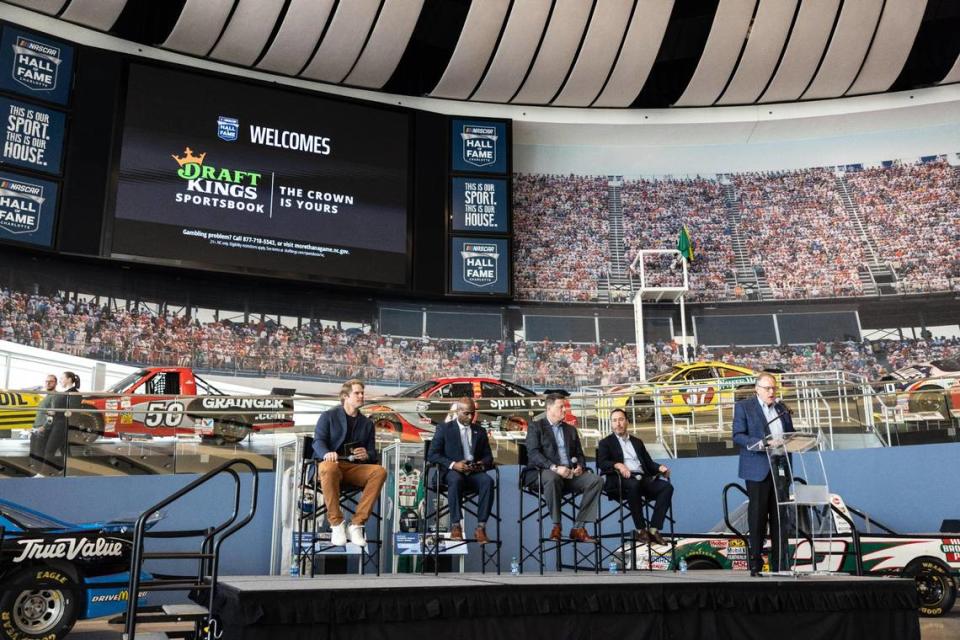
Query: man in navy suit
x=462, y=450
x=623, y=455
x=344, y=441
x=753, y=419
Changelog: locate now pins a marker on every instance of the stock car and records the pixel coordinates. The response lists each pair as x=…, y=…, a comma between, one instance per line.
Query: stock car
x=932, y=386
x=53, y=573
x=501, y=405
x=686, y=387
x=143, y=404
x=931, y=559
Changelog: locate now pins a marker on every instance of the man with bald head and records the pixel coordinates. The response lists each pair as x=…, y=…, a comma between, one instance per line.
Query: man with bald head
x=462, y=450
x=754, y=419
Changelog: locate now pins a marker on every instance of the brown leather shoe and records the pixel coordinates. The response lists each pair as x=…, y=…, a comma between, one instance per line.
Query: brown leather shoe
x=456, y=533
x=481, y=535
x=580, y=534
x=641, y=536
x=556, y=533
x=657, y=538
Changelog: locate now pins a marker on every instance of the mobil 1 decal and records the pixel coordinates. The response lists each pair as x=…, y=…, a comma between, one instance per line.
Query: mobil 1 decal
x=479, y=204
x=27, y=209
x=480, y=265
x=35, y=65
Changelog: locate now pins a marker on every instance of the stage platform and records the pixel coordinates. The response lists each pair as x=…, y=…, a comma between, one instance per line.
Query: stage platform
x=697, y=604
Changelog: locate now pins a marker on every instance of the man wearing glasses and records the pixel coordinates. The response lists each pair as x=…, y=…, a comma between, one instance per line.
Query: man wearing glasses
x=753, y=419
x=462, y=450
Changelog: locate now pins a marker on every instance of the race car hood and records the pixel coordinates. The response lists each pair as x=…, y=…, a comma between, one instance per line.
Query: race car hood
x=18, y=518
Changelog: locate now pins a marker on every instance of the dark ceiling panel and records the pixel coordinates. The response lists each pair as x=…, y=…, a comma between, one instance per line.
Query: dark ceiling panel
x=147, y=21
x=429, y=50
x=935, y=48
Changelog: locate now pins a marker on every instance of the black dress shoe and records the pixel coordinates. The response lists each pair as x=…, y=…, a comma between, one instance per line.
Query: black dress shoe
x=755, y=574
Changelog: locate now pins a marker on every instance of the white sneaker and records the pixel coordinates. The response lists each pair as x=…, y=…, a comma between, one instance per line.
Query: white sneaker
x=338, y=534
x=356, y=535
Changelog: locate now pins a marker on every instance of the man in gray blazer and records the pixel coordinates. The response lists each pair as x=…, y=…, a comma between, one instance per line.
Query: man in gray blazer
x=554, y=450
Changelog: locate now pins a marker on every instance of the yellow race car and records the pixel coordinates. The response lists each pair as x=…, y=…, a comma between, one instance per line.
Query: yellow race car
x=687, y=387
x=18, y=409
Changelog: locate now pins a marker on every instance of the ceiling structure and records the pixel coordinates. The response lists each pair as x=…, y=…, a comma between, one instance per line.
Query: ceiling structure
x=559, y=53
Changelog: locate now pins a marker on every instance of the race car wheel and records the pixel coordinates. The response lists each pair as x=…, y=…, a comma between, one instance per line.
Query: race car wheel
x=929, y=399
x=641, y=408
x=39, y=603
x=85, y=428
x=387, y=427
x=701, y=564
x=230, y=430
x=935, y=586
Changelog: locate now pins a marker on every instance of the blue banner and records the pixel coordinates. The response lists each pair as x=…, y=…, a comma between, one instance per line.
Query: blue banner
x=28, y=208
x=480, y=266
x=32, y=136
x=480, y=204
x=36, y=66
x=479, y=146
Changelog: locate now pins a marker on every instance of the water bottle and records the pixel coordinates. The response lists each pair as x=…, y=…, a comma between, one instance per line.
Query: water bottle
x=294, y=568
x=612, y=567
x=683, y=565
x=514, y=566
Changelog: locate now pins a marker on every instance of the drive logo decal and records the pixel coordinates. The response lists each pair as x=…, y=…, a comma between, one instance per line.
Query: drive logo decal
x=20, y=204
x=480, y=263
x=479, y=145
x=35, y=64
x=951, y=547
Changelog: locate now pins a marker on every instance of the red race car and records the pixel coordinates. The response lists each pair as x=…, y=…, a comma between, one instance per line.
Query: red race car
x=501, y=405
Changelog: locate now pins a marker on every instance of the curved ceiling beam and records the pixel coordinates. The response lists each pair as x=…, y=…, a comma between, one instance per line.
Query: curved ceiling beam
x=808, y=40
x=764, y=45
x=517, y=46
x=557, y=52
x=248, y=31
x=847, y=50
x=199, y=26
x=298, y=36
x=597, y=54
x=891, y=46
x=639, y=52
x=97, y=14
x=389, y=40
x=727, y=35
x=474, y=48
x=343, y=41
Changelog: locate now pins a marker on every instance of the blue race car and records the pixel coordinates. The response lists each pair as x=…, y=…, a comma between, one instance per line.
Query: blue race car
x=53, y=573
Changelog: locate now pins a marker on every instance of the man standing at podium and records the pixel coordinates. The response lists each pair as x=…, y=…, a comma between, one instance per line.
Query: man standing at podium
x=754, y=419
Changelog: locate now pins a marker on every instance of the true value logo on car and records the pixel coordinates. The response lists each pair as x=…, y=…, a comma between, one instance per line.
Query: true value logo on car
x=69, y=548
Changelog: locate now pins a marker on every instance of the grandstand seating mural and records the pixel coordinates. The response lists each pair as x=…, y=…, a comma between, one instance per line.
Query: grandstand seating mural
x=798, y=234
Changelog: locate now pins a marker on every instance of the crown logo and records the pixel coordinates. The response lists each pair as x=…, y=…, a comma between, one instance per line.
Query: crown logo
x=189, y=158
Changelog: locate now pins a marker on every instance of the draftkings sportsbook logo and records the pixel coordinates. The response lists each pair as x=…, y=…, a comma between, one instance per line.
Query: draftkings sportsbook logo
x=217, y=187
x=35, y=64
x=479, y=145
x=20, y=205
x=480, y=263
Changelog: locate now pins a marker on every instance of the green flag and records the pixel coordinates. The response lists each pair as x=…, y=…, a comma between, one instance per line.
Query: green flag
x=684, y=245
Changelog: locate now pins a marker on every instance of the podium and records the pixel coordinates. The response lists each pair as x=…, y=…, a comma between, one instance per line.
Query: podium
x=803, y=500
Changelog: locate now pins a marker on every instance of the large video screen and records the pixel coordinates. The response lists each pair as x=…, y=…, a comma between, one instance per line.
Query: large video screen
x=223, y=174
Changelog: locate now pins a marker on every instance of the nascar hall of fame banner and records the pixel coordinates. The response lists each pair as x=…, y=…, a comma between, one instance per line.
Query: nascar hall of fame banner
x=34, y=65
x=409, y=544
x=479, y=146
x=32, y=136
x=480, y=204
x=27, y=209
x=480, y=266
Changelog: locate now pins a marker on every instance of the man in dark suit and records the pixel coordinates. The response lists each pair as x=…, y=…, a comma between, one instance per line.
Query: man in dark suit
x=344, y=441
x=628, y=465
x=753, y=419
x=554, y=450
x=462, y=450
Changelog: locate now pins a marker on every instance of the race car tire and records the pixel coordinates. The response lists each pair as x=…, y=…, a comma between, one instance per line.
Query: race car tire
x=929, y=399
x=387, y=426
x=699, y=563
x=641, y=407
x=935, y=586
x=229, y=430
x=85, y=428
x=39, y=603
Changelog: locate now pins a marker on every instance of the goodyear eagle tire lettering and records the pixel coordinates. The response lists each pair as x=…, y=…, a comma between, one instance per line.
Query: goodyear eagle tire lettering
x=39, y=602
x=935, y=586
